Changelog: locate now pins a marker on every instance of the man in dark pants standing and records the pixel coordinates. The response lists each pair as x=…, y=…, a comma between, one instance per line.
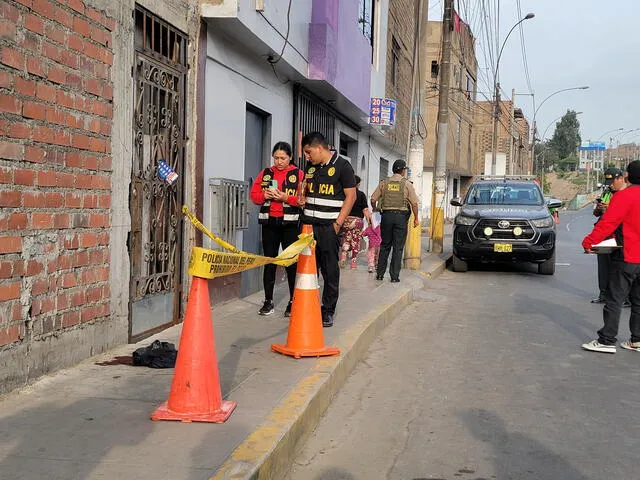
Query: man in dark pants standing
x=624, y=278
x=329, y=195
x=614, y=181
x=395, y=194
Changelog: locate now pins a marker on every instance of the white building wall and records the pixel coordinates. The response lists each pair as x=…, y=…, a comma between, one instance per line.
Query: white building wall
x=427, y=195
x=235, y=78
x=270, y=25
x=427, y=192
x=501, y=164
x=593, y=159
x=450, y=210
x=361, y=165
x=379, y=67
x=378, y=149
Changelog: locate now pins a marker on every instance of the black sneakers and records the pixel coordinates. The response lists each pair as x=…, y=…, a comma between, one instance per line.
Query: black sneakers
x=287, y=312
x=267, y=308
x=327, y=319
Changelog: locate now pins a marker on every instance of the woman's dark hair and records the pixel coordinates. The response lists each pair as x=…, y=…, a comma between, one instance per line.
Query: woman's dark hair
x=358, y=179
x=284, y=146
x=633, y=172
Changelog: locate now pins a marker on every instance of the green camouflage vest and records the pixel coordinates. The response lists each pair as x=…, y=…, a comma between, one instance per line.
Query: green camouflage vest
x=392, y=195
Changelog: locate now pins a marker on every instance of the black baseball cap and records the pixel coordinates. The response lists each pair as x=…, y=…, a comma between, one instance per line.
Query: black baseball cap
x=611, y=173
x=398, y=166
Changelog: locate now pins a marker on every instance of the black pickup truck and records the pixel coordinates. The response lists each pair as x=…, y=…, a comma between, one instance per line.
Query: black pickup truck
x=505, y=221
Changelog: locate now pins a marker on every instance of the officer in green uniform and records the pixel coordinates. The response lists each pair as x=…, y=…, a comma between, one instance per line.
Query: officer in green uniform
x=397, y=199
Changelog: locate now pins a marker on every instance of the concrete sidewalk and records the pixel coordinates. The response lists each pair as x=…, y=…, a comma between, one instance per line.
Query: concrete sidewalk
x=92, y=421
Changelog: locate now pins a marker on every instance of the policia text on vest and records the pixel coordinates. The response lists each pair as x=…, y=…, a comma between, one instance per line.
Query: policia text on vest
x=329, y=196
x=396, y=199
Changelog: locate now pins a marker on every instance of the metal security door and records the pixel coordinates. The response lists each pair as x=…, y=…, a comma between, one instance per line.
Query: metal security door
x=155, y=241
x=254, y=154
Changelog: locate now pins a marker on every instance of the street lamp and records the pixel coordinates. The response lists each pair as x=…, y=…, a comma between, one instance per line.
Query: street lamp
x=617, y=138
x=535, y=113
x=621, y=136
x=610, y=131
x=496, y=90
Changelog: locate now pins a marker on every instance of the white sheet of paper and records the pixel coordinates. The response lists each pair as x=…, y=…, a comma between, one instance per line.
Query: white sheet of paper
x=609, y=242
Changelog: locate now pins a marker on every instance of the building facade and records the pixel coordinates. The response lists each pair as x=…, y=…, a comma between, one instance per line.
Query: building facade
x=621, y=155
x=96, y=95
x=592, y=156
x=513, y=155
x=264, y=86
x=462, y=120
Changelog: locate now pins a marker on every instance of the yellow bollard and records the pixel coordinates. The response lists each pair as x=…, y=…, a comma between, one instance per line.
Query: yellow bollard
x=437, y=230
x=413, y=246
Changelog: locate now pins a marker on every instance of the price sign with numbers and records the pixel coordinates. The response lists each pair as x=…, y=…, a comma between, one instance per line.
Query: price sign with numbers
x=382, y=111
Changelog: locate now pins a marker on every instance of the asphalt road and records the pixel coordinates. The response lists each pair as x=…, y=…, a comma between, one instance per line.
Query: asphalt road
x=484, y=378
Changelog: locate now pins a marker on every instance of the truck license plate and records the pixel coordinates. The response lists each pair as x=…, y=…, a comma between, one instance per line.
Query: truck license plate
x=502, y=247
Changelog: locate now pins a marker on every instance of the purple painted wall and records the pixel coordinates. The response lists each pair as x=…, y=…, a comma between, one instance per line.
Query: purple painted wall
x=338, y=52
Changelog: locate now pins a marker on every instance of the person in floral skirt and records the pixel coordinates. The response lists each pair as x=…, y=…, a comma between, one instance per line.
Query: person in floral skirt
x=352, y=228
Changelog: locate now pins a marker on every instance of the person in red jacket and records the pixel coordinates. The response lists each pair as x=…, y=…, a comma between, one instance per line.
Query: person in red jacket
x=276, y=191
x=624, y=276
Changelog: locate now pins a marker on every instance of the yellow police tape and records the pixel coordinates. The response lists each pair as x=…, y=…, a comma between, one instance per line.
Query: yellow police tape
x=206, y=263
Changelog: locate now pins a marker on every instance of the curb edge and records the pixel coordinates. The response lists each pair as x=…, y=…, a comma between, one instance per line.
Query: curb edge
x=267, y=451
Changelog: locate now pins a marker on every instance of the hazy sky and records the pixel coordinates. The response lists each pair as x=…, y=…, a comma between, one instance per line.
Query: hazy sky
x=570, y=43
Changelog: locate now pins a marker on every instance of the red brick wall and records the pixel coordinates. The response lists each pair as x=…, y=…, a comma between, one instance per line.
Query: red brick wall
x=55, y=166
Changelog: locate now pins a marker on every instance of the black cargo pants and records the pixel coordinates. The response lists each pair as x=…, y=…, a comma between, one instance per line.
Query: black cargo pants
x=393, y=230
x=327, y=248
x=624, y=281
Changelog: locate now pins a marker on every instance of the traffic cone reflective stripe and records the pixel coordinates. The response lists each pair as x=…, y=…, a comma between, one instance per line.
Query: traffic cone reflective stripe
x=305, y=337
x=195, y=390
x=306, y=281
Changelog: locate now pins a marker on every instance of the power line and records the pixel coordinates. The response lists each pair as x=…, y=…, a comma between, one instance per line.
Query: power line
x=286, y=37
x=524, y=50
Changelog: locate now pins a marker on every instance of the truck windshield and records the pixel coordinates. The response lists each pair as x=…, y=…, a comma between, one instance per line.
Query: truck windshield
x=503, y=194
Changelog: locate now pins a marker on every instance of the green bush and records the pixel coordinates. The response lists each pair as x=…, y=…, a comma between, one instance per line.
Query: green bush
x=581, y=180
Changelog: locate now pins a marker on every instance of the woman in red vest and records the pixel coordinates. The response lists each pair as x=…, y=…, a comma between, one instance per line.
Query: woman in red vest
x=276, y=191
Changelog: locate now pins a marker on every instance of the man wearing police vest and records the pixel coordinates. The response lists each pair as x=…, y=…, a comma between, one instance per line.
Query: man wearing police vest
x=396, y=195
x=329, y=196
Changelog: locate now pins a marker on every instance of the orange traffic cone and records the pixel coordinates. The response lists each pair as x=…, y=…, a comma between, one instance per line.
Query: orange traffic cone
x=305, y=337
x=195, y=391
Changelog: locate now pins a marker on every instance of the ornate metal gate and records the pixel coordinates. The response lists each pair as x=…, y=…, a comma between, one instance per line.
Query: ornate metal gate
x=155, y=241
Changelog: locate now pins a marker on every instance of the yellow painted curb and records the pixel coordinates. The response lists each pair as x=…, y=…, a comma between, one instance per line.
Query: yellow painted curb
x=268, y=450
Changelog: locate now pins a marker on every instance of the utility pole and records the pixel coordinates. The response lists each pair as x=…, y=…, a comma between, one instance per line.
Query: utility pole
x=413, y=245
x=512, y=121
x=532, y=163
x=494, y=144
x=439, y=177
